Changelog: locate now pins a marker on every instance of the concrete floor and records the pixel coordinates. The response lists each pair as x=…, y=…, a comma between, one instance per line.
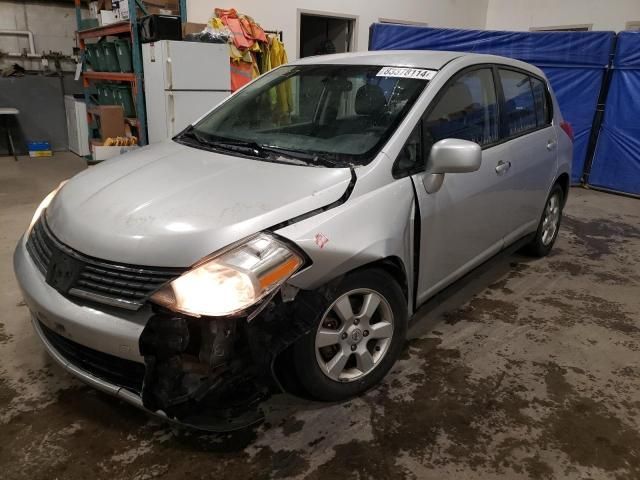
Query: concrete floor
x=530, y=369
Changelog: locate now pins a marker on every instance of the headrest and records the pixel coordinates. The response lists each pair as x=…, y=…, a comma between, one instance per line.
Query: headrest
x=456, y=99
x=370, y=100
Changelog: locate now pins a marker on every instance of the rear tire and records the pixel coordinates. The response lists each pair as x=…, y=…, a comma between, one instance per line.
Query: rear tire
x=549, y=225
x=357, y=338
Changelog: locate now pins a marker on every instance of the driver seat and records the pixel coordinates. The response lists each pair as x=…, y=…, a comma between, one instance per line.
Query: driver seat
x=369, y=105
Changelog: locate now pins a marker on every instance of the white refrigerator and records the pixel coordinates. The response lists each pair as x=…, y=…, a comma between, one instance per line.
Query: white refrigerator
x=182, y=82
x=77, y=125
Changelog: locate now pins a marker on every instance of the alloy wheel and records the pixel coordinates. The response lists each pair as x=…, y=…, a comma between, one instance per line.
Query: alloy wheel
x=354, y=335
x=551, y=219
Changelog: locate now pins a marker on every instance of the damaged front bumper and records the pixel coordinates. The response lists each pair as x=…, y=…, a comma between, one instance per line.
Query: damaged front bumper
x=209, y=374
x=168, y=385
x=213, y=373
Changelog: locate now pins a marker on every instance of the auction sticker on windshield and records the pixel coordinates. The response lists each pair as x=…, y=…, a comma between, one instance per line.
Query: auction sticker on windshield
x=403, y=72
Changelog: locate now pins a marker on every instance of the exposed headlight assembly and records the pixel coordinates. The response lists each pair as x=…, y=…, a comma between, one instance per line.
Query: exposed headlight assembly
x=230, y=282
x=46, y=201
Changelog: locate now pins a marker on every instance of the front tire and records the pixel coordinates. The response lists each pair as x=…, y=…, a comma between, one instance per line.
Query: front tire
x=357, y=337
x=549, y=224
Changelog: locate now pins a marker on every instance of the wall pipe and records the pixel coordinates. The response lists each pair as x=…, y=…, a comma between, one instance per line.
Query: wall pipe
x=20, y=33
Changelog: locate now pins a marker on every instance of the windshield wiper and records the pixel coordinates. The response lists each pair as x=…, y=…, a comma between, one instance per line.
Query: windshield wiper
x=248, y=147
x=307, y=157
x=241, y=146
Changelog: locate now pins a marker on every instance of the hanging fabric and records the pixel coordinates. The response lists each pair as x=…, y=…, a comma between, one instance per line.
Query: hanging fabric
x=278, y=56
x=251, y=53
x=229, y=17
x=243, y=67
x=252, y=29
x=241, y=74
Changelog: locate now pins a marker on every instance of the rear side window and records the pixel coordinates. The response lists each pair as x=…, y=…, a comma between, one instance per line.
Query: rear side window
x=467, y=110
x=541, y=98
x=520, y=106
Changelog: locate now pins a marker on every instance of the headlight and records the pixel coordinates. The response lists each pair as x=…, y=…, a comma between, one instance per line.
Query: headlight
x=232, y=281
x=44, y=204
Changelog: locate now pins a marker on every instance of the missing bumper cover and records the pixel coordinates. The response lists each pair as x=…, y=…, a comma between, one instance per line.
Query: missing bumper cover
x=215, y=373
x=197, y=372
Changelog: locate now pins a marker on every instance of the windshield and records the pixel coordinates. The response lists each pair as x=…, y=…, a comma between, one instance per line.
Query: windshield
x=328, y=115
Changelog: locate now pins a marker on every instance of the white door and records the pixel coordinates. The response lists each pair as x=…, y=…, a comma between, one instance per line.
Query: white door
x=185, y=107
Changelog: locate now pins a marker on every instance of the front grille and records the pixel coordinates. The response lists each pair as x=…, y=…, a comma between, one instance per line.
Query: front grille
x=115, y=370
x=101, y=281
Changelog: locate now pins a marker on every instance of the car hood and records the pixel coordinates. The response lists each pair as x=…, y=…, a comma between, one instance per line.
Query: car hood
x=170, y=205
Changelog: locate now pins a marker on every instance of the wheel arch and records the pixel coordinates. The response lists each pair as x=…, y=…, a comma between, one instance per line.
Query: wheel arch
x=392, y=265
x=565, y=183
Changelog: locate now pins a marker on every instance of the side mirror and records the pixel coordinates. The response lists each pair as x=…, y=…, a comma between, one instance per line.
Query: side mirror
x=452, y=155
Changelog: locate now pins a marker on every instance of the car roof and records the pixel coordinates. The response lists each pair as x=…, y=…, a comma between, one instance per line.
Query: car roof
x=429, y=59
x=393, y=58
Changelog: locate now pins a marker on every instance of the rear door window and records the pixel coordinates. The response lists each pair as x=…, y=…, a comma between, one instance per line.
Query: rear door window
x=520, y=106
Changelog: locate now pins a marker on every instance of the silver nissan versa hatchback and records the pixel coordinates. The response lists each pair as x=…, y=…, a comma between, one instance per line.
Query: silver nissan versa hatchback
x=285, y=239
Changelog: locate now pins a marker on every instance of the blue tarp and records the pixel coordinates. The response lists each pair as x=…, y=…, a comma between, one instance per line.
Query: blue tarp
x=616, y=164
x=574, y=62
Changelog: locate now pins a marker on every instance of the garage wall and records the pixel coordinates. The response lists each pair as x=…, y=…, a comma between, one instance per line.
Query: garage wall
x=524, y=14
x=52, y=23
x=283, y=15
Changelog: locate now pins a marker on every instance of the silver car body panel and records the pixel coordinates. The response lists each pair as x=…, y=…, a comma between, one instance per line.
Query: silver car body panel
x=394, y=58
x=378, y=211
x=170, y=205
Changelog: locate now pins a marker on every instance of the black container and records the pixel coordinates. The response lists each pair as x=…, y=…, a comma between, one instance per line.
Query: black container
x=160, y=27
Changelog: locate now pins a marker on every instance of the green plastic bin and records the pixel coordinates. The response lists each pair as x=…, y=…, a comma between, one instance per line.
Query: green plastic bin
x=123, y=52
x=113, y=94
x=110, y=57
x=94, y=56
x=104, y=94
x=88, y=23
x=124, y=97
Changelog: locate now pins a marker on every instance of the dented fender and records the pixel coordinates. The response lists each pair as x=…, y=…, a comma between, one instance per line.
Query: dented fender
x=385, y=228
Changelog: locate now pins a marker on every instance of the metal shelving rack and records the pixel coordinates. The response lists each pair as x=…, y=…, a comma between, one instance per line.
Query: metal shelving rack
x=136, y=78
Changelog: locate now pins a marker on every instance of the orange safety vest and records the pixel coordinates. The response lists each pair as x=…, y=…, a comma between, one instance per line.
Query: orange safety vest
x=230, y=19
x=241, y=74
x=252, y=29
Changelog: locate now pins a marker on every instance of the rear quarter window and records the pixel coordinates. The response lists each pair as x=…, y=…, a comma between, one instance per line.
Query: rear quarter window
x=542, y=100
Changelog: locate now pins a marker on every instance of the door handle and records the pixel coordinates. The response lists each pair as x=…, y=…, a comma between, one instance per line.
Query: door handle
x=551, y=144
x=168, y=73
x=502, y=167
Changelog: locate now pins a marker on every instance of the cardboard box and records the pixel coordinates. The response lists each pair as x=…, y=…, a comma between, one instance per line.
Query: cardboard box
x=110, y=120
x=124, y=9
x=190, y=27
x=99, y=152
x=168, y=4
x=160, y=11
x=93, y=10
x=40, y=153
x=162, y=7
x=107, y=17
